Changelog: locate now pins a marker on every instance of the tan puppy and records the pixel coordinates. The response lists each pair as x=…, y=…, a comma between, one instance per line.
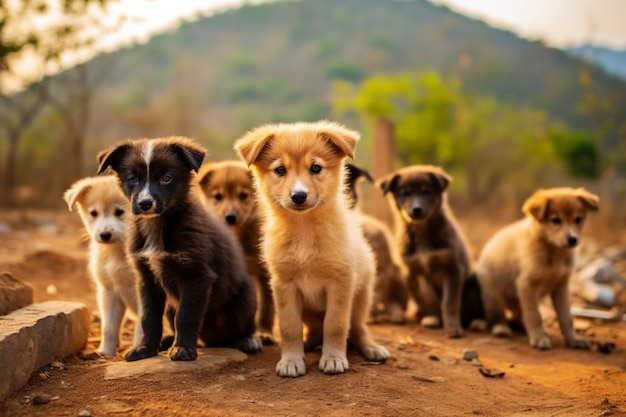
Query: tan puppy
x=228, y=190
x=105, y=212
x=431, y=244
x=391, y=294
x=531, y=258
x=321, y=268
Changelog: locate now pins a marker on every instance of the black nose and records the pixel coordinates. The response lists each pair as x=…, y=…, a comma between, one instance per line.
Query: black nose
x=572, y=240
x=105, y=236
x=145, y=204
x=299, y=197
x=417, y=211
x=231, y=218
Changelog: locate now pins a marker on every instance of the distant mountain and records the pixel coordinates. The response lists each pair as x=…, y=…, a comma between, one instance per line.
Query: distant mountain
x=613, y=61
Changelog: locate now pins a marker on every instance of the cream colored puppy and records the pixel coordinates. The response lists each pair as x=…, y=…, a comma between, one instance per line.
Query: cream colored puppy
x=105, y=212
x=322, y=269
x=532, y=258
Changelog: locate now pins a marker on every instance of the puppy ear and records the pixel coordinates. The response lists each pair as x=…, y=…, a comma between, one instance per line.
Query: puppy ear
x=250, y=145
x=205, y=174
x=341, y=138
x=388, y=183
x=192, y=153
x=591, y=201
x=440, y=180
x=76, y=193
x=537, y=206
x=355, y=172
x=111, y=157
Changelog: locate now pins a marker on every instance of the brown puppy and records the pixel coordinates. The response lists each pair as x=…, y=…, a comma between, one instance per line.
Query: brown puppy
x=228, y=191
x=391, y=294
x=531, y=258
x=183, y=254
x=430, y=242
x=321, y=268
x=106, y=214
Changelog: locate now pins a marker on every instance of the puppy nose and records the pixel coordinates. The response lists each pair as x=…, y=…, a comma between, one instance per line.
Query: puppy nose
x=145, y=204
x=417, y=211
x=572, y=241
x=105, y=236
x=231, y=218
x=299, y=197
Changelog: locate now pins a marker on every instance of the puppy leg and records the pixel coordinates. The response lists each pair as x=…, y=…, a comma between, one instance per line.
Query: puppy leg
x=529, y=303
x=153, y=304
x=339, y=297
x=397, y=299
x=451, y=303
x=495, y=307
x=289, y=310
x=430, y=307
x=359, y=333
x=560, y=300
x=266, y=308
x=111, y=314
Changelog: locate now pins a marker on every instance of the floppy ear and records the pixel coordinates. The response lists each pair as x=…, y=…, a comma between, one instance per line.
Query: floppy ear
x=388, y=183
x=191, y=152
x=341, y=138
x=355, y=172
x=111, y=157
x=590, y=200
x=205, y=174
x=76, y=193
x=537, y=206
x=440, y=180
x=250, y=145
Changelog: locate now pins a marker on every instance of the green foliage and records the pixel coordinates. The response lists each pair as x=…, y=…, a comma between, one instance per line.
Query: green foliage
x=577, y=151
x=343, y=70
x=243, y=90
x=241, y=63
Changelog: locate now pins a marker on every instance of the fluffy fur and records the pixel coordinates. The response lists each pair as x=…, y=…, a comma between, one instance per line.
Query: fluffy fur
x=321, y=268
x=229, y=192
x=182, y=252
x=105, y=213
x=391, y=294
x=431, y=244
x=532, y=258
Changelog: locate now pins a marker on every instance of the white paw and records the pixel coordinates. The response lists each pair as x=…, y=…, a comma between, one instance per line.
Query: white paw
x=579, y=344
x=478, y=325
x=540, y=342
x=431, y=321
x=291, y=366
x=501, y=330
x=333, y=363
x=376, y=353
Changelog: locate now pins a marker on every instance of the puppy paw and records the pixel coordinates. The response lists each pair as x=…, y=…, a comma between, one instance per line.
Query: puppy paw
x=430, y=321
x=332, y=363
x=291, y=367
x=266, y=338
x=579, y=344
x=541, y=342
x=249, y=345
x=478, y=325
x=182, y=353
x=140, y=352
x=375, y=353
x=501, y=330
x=454, y=332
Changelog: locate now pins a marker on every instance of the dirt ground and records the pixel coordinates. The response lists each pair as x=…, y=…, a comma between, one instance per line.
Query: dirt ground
x=425, y=375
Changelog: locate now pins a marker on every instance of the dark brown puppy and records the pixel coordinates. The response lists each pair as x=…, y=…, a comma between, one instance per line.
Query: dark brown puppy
x=229, y=192
x=431, y=244
x=391, y=294
x=182, y=254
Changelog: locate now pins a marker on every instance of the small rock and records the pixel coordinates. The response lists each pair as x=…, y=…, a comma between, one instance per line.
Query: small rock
x=39, y=399
x=57, y=365
x=476, y=362
x=85, y=413
x=469, y=354
x=433, y=357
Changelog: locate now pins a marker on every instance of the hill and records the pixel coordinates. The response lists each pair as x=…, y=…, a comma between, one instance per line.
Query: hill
x=613, y=61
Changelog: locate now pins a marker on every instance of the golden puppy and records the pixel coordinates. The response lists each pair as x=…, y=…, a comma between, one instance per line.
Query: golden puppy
x=105, y=212
x=391, y=294
x=228, y=191
x=321, y=268
x=431, y=244
x=532, y=258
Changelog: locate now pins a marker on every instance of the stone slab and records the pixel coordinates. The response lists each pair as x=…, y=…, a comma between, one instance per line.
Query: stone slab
x=37, y=335
x=208, y=358
x=14, y=294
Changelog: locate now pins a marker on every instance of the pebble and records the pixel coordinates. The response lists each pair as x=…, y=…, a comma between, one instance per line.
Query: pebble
x=85, y=413
x=39, y=399
x=469, y=354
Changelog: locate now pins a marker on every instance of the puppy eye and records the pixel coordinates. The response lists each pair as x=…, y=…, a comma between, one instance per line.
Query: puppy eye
x=93, y=213
x=218, y=197
x=556, y=221
x=133, y=180
x=243, y=196
x=316, y=169
x=280, y=171
x=119, y=212
x=578, y=220
x=165, y=179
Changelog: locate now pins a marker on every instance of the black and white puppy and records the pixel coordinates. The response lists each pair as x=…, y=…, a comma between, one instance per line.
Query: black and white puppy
x=184, y=256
